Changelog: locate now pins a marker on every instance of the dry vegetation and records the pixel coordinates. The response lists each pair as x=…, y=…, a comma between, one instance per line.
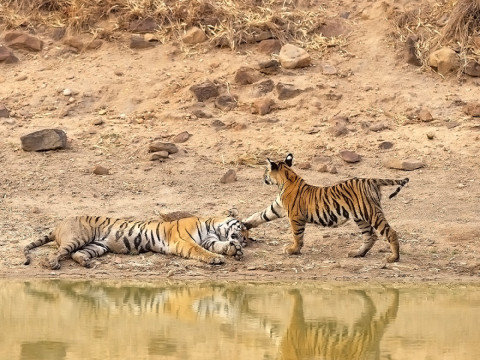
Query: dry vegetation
x=453, y=23
x=227, y=23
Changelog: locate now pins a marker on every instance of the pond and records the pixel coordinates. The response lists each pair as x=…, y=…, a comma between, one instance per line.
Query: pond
x=67, y=319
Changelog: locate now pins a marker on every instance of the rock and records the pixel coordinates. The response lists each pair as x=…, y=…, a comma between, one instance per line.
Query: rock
x=138, y=42
x=229, y=177
x=332, y=95
x=74, y=42
x=287, y=91
x=97, y=121
x=378, y=126
x=67, y=92
x=408, y=165
x=332, y=170
x=19, y=40
x=6, y=55
x=264, y=87
x=472, y=68
x=333, y=28
x=261, y=35
x=162, y=146
x=262, y=106
x=246, y=76
x=444, y=60
x=323, y=168
x=57, y=33
x=201, y=114
x=182, y=137
x=430, y=136
x=4, y=113
x=100, y=170
x=159, y=155
x=142, y=26
x=339, y=126
x=194, y=36
x=292, y=57
x=328, y=69
x=269, y=67
x=385, y=145
x=22, y=77
x=270, y=46
x=472, y=109
x=150, y=37
x=94, y=44
x=226, y=102
x=304, y=165
x=47, y=139
x=349, y=156
x=410, y=52
x=425, y=116
x=205, y=90
x=218, y=124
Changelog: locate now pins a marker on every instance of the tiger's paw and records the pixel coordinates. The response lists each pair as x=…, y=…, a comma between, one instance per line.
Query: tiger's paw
x=356, y=254
x=292, y=250
x=216, y=260
x=234, y=249
x=392, y=258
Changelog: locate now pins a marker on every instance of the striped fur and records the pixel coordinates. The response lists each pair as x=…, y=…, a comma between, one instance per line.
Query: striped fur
x=358, y=199
x=86, y=237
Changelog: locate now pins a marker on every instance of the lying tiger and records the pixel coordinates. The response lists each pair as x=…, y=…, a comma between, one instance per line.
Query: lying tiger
x=87, y=237
x=327, y=206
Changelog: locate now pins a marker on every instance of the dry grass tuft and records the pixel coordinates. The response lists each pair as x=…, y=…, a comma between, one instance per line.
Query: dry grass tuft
x=453, y=23
x=226, y=22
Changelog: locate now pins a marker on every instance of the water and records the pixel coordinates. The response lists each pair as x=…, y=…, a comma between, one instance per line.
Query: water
x=61, y=319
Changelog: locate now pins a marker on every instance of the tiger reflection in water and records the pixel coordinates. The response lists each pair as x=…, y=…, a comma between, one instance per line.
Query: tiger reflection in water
x=330, y=339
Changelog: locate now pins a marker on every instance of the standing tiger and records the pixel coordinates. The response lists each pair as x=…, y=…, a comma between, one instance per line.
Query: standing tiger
x=86, y=237
x=327, y=206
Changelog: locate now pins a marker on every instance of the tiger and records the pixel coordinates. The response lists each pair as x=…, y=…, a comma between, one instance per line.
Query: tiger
x=86, y=237
x=327, y=206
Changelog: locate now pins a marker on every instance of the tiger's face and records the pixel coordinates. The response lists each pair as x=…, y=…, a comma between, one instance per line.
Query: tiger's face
x=237, y=232
x=275, y=173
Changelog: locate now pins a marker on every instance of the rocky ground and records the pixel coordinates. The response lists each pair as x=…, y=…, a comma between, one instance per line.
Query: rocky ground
x=355, y=109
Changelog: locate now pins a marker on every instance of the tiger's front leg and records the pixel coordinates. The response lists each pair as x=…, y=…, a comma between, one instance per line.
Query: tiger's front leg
x=230, y=247
x=272, y=212
x=298, y=229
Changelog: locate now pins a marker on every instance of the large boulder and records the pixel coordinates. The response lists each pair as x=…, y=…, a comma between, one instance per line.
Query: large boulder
x=444, y=60
x=43, y=140
x=292, y=57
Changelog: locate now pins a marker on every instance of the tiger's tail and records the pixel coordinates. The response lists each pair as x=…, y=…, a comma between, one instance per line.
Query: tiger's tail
x=402, y=183
x=46, y=239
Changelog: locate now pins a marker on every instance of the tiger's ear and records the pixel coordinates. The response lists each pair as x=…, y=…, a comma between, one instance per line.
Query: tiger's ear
x=271, y=165
x=289, y=160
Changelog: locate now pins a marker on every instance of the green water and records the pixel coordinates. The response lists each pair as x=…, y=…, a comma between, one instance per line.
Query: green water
x=50, y=319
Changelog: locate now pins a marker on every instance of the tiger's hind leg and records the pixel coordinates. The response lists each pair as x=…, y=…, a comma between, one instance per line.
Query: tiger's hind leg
x=88, y=252
x=369, y=239
x=189, y=249
x=61, y=253
x=381, y=225
x=232, y=247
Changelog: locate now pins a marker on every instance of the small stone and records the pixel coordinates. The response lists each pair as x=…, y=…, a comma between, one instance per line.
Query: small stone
x=19, y=40
x=194, y=36
x=292, y=57
x=407, y=165
x=229, y=177
x=43, y=140
x=226, y=102
x=67, y=92
x=205, y=90
x=323, y=168
x=262, y=106
x=334, y=27
x=410, y=52
x=444, y=60
x=425, y=116
x=339, y=126
x=378, y=126
x=6, y=55
x=57, y=33
x=71, y=99
x=270, y=46
x=246, y=76
x=102, y=112
x=201, y=114
x=349, y=156
x=269, y=67
x=264, y=87
x=142, y=26
x=332, y=170
x=304, y=165
x=287, y=91
x=430, y=136
x=472, y=109
x=22, y=77
x=218, y=124
x=161, y=146
x=100, y=170
x=94, y=44
x=159, y=155
x=4, y=113
x=182, y=137
x=385, y=145
x=150, y=37
x=74, y=42
x=97, y=121
x=472, y=68
x=118, y=72
x=328, y=69
x=138, y=42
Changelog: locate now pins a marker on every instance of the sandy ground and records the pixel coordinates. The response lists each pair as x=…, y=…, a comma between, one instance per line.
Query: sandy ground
x=146, y=97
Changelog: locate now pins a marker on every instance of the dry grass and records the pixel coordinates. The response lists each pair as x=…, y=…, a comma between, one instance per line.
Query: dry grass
x=443, y=23
x=226, y=22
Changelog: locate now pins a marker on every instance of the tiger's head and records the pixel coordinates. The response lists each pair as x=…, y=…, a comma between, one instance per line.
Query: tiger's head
x=233, y=229
x=279, y=173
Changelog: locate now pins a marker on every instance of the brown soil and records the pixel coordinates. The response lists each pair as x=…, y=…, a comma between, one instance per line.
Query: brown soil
x=146, y=96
